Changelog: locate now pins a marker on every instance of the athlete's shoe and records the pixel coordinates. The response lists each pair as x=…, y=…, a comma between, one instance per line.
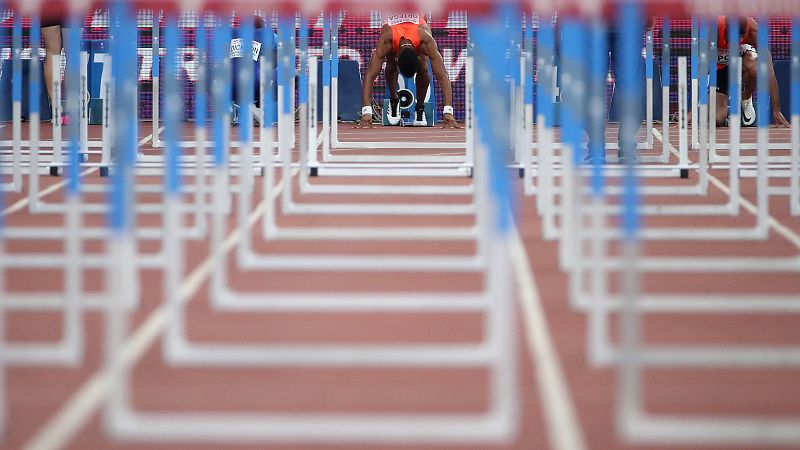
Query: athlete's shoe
x=234, y=113
x=590, y=158
x=748, y=112
x=628, y=158
x=419, y=118
x=393, y=115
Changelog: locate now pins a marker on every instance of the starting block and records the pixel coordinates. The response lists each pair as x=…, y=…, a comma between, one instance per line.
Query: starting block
x=406, y=89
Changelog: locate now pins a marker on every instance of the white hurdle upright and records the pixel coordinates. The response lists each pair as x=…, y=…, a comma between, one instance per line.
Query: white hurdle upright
x=69, y=349
x=496, y=351
x=794, y=196
x=632, y=354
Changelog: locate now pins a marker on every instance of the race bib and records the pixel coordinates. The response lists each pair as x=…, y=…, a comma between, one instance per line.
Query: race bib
x=722, y=56
x=236, y=49
x=396, y=19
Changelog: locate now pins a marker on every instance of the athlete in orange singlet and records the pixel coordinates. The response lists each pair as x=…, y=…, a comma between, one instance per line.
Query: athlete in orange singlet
x=406, y=45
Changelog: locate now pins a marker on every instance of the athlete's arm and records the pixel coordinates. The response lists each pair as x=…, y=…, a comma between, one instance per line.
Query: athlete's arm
x=373, y=70
x=774, y=94
x=429, y=47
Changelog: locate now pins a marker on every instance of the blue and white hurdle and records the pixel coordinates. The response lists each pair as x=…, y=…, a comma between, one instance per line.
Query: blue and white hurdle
x=496, y=351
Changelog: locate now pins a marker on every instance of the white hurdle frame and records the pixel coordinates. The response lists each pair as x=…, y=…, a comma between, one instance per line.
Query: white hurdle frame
x=498, y=352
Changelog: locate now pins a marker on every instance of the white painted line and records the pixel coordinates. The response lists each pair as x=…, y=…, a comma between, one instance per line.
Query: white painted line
x=21, y=203
x=77, y=411
x=563, y=428
x=774, y=223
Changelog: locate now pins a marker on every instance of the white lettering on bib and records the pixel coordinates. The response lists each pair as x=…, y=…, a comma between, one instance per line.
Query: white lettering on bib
x=236, y=49
x=722, y=56
x=396, y=19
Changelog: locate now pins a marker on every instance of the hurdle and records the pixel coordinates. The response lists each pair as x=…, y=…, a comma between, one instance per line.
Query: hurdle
x=257, y=224
x=778, y=166
x=728, y=208
x=496, y=425
x=546, y=166
x=22, y=150
x=156, y=163
x=68, y=350
x=594, y=296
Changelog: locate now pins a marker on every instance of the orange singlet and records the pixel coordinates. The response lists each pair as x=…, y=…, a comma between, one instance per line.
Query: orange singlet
x=404, y=25
x=722, y=40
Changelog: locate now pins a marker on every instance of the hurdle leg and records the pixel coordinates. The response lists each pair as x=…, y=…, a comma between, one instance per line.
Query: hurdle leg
x=84, y=104
x=683, y=138
x=665, y=85
x=302, y=100
x=326, y=87
x=702, y=119
x=649, y=90
x=763, y=118
x=712, y=91
x=313, y=142
x=695, y=83
x=16, y=103
x=34, y=97
x=734, y=114
x=57, y=157
x=200, y=126
x=156, y=71
x=795, y=107
x=107, y=130
x=335, y=82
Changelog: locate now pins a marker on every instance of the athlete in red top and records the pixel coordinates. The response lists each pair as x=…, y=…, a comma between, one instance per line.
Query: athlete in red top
x=747, y=49
x=406, y=45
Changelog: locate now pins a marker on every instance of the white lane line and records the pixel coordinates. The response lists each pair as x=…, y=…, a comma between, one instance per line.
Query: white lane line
x=563, y=428
x=23, y=202
x=60, y=429
x=774, y=223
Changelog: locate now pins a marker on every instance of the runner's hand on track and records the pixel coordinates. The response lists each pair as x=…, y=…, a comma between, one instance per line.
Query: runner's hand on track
x=450, y=122
x=365, y=121
x=780, y=121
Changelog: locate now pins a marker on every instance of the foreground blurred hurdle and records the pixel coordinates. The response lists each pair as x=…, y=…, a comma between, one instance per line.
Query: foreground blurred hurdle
x=609, y=223
x=496, y=352
x=27, y=153
x=598, y=255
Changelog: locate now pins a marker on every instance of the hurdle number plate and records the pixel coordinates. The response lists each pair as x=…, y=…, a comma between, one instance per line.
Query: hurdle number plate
x=236, y=49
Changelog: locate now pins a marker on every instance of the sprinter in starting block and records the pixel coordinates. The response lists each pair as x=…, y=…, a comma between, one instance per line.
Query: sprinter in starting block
x=406, y=44
x=747, y=50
